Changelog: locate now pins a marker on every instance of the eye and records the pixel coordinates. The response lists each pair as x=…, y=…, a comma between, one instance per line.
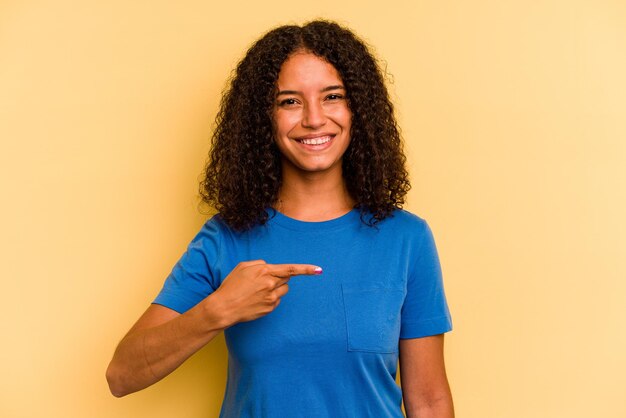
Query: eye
x=334, y=97
x=287, y=102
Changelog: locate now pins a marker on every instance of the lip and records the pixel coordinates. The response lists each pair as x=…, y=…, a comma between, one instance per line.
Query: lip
x=315, y=147
x=319, y=135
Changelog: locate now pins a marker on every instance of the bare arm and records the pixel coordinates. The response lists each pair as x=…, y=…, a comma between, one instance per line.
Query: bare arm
x=161, y=340
x=157, y=344
x=425, y=385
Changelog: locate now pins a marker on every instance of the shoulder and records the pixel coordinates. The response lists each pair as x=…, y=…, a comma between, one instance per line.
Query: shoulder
x=407, y=228
x=214, y=226
x=401, y=229
x=403, y=220
x=212, y=232
x=219, y=231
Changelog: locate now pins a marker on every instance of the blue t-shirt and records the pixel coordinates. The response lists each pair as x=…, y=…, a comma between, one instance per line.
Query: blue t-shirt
x=330, y=349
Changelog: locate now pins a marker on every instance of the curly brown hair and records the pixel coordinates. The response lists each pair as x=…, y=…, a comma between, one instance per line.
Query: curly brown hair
x=243, y=173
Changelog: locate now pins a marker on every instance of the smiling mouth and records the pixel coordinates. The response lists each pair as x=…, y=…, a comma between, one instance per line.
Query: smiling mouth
x=316, y=141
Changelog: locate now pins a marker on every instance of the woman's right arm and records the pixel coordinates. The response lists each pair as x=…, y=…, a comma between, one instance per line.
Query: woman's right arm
x=162, y=339
x=159, y=342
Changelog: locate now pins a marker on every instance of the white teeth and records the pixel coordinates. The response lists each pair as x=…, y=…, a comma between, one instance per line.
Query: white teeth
x=316, y=141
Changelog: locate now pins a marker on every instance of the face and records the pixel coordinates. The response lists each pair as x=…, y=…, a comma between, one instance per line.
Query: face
x=311, y=115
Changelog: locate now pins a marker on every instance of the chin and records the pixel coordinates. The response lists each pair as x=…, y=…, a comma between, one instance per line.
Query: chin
x=319, y=167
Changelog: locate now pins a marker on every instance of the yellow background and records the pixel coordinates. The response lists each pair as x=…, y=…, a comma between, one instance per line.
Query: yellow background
x=514, y=114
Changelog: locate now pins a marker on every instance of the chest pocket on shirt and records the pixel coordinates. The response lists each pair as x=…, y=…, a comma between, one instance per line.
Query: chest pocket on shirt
x=372, y=317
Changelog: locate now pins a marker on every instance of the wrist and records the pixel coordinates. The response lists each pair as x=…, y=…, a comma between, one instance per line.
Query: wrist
x=216, y=313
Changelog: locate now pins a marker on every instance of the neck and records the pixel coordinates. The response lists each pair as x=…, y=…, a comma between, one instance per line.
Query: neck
x=314, y=197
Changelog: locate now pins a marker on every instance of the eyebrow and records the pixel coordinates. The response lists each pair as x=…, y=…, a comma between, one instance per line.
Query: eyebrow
x=325, y=89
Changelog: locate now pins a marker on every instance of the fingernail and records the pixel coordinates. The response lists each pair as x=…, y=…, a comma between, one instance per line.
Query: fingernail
x=318, y=270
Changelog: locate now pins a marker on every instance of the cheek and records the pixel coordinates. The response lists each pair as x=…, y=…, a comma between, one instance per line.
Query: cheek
x=343, y=117
x=285, y=122
x=348, y=123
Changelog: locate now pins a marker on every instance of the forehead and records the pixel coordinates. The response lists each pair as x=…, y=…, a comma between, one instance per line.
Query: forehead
x=304, y=69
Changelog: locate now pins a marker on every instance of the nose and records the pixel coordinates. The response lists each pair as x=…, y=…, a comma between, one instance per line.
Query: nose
x=313, y=116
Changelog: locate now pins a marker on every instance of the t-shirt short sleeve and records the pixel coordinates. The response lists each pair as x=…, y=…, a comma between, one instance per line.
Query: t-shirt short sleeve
x=193, y=277
x=425, y=311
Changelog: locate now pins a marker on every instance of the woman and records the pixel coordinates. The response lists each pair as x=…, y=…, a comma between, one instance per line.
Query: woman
x=307, y=173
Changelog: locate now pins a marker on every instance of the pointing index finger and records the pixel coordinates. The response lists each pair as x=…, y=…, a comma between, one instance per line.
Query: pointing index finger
x=288, y=270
